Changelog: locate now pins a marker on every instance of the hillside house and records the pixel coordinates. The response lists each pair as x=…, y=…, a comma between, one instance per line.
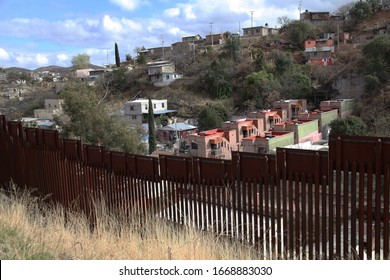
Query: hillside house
x=304, y=130
x=136, y=111
x=344, y=107
x=319, y=51
x=259, y=31
x=53, y=107
x=159, y=53
x=81, y=74
x=292, y=106
x=192, y=38
x=324, y=117
x=182, y=48
x=174, y=132
x=216, y=143
x=269, y=118
x=315, y=17
x=267, y=142
x=244, y=127
x=214, y=39
x=162, y=73
x=95, y=73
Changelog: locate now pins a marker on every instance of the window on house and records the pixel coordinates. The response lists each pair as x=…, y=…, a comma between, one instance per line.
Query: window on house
x=146, y=107
x=131, y=108
x=154, y=106
x=163, y=105
x=194, y=146
x=167, y=77
x=214, y=146
x=55, y=106
x=134, y=117
x=49, y=105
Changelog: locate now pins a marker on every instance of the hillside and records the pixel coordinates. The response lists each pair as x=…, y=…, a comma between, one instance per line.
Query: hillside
x=61, y=70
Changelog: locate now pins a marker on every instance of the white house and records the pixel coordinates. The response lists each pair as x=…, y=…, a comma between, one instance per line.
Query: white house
x=53, y=107
x=137, y=110
x=162, y=73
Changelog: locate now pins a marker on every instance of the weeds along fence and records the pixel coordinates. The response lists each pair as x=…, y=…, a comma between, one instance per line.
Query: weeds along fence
x=295, y=204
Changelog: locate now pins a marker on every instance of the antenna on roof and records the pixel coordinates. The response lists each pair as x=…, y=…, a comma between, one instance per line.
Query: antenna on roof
x=300, y=7
x=252, y=18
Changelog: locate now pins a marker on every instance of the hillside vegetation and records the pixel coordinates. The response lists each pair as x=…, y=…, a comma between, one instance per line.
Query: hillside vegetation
x=32, y=230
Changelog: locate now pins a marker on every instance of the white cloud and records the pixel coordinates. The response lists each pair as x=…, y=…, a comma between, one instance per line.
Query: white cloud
x=155, y=24
x=62, y=57
x=4, y=55
x=23, y=59
x=189, y=13
x=175, y=31
x=126, y=4
x=131, y=24
x=41, y=59
x=111, y=24
x=172, y=12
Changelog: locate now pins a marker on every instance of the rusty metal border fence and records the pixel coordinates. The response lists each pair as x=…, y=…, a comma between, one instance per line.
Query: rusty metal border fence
x=297, y=204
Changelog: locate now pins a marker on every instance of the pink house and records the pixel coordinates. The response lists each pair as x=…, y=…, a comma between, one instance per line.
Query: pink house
x=269, y=118
x=245, y=127
x=215, y=143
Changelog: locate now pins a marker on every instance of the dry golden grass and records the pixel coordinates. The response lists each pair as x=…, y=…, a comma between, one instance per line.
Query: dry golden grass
x=29, y=229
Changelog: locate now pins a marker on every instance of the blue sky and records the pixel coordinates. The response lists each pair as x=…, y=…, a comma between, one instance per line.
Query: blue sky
x=35, y=33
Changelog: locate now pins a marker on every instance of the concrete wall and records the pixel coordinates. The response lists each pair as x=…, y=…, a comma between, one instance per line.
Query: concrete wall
x=253, y=144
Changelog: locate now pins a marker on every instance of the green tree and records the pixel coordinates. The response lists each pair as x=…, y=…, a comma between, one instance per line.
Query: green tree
x=212, y=116
x=283, y=61
x=344, y=9
x=232, y=45
x=371, y=84
x=297, y=31
x=258, y=86
x=92, y=124
x=374, y=4
x=117, y=58
x=295, y=83
x=351, y=125
x=377, y=58
x=360, y=10
x=141, y=58
x=152, y=128
x=129, y=57
x=259, y=60
x=284, y=21
x=81, y=61
x=216, y=79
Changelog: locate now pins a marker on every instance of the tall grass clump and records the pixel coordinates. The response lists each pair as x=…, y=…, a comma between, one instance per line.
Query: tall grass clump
x=31, y=228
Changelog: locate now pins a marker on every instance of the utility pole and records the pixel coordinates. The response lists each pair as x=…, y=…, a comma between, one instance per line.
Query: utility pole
x=338, y=37
x=211, y=33
x=252, y=18
x=162, y=44
x=300, y=8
